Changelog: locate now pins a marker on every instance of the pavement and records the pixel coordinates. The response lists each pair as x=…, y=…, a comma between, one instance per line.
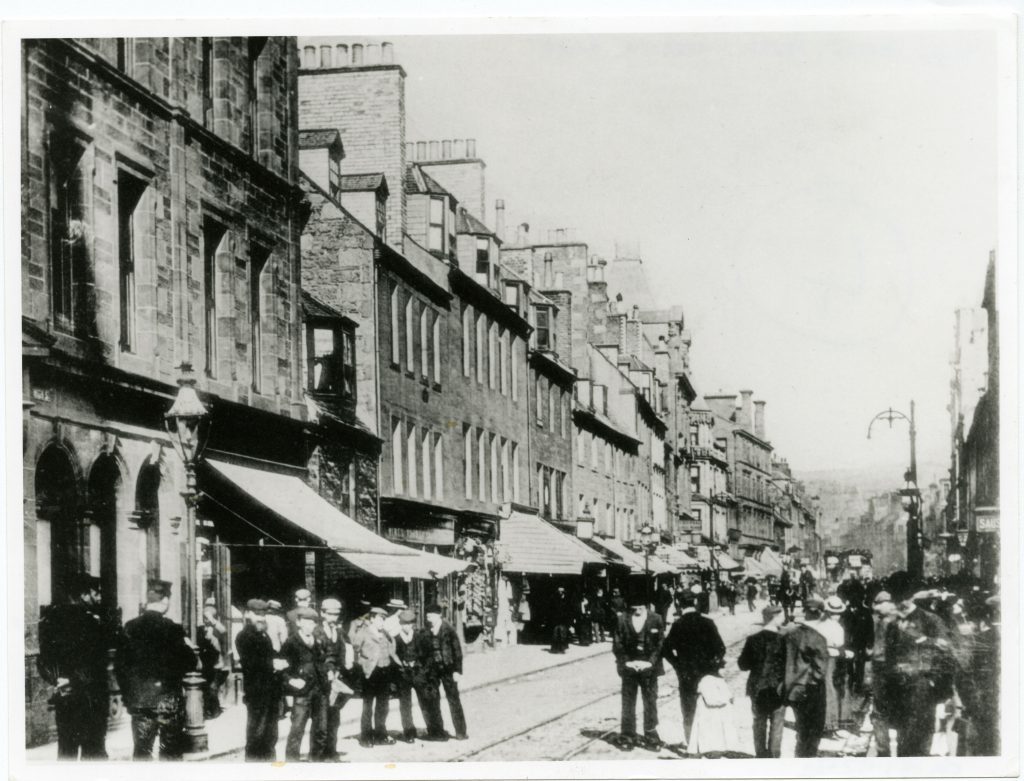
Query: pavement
x=486, y=668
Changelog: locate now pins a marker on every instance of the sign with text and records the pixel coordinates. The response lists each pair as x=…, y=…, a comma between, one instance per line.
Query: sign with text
x=422, y=535
x=988, y=523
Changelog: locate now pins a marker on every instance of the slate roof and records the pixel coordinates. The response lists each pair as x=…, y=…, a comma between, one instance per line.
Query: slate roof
x=531, y=545
x=318, y=139
x=467, y=223
x=418, y=181
x=351, y=183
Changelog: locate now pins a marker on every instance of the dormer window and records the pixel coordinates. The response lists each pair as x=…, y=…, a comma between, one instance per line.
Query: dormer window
x=545, y=332
x=512, y=295
x=331, y=358
x=435, y=235
x=483, y=261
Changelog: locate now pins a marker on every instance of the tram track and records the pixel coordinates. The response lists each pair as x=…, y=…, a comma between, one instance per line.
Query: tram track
x=672, y=695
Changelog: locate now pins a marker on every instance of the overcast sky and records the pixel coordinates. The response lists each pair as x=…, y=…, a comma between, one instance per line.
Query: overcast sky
x=818, y=203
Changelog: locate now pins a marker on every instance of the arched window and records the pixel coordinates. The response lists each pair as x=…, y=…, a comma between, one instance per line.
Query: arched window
x=104, y=492
x=60, y=529
x=147, y=509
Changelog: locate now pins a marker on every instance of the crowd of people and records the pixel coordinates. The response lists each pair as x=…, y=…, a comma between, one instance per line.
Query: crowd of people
x=920, y=657
x=304, y=665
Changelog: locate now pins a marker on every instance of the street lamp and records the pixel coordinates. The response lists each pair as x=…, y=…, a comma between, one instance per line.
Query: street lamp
x=182, y=422
x=647, y=540
x=912, y=502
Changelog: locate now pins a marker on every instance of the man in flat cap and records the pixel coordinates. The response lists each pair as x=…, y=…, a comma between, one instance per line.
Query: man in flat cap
x=374, y=650
x=885, y=613
x=73, y=643
x=803, y=658
x=303, y=601
x=446, y=665
x=694, y=648
x=152, y=659
x=340, y=656
x=637, y=645
x=408, y=668
x=307, y=680
x=260, y=668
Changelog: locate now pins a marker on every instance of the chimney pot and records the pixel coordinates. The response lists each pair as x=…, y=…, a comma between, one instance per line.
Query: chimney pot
x=410, y=150
x=308, y=56
x=499, y=219
x=560, y=235
x=421, y=150
x=434, y=150
x=373, y=54
x=387, y=52
x=446, y=149
x=325, y=56
x=470, y=147
x=357, y=54
x=341, y=55
x=458, y=148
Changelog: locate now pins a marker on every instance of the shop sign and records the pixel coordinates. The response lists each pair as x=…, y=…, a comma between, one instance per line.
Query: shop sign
x=854, y=560
x=421, y=535
x=988, y=523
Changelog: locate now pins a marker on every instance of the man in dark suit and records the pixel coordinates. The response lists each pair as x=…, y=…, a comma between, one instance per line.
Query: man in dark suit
x=562, y=616
x=446, y=652
x=919, y=667
x=260, y=668
x=152, y=658
x=695, y=649
x=802, y=655
x=340, y=659
x=637, y=644
x=308, y=681
x=758, y=656
x=73, y=644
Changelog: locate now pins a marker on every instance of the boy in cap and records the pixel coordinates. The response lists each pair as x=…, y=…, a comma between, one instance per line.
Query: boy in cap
x=637, y=644
x=308, y=682
x=151, y=661
x=408, y=669
x=759, y=656
x=260, y=667
x=73, y=644
x=303, y=600
x=803, y=658
x=338, y=671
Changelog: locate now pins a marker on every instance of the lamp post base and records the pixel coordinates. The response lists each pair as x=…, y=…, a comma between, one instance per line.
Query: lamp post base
x=197, y=742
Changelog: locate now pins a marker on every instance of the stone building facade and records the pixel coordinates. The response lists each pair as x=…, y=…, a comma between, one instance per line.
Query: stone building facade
x=161, y=226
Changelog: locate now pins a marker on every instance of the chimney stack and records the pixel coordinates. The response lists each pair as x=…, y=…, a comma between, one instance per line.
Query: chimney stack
x=759, y=419
x=499, y=219
x=746, y=412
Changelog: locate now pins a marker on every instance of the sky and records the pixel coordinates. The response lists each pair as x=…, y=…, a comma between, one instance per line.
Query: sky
x=819, y=203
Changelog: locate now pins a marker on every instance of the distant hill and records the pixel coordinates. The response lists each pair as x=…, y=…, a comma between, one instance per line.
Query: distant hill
x=844, y=493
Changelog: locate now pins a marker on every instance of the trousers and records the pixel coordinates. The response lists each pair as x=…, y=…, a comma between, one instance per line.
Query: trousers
x=261, y=729
x=376, y=704
x=769, y=723
x=82, y=724
x=560, y=638
x=810, y=721
x=167, y=720
x=688, y=702
x=451, y=693
x=405, y=689
x=428, y=692
x=309, y=708
x=880, y=728
x=648, y=686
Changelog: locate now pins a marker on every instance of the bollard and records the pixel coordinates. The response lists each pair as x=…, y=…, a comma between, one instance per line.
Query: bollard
x=197, y=744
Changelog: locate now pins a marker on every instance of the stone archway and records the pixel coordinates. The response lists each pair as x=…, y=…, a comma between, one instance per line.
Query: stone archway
x=58, y=506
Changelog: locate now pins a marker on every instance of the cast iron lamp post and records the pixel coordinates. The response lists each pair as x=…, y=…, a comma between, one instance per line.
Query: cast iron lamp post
x=182, y=422
x=647, y=540
x=910, y=495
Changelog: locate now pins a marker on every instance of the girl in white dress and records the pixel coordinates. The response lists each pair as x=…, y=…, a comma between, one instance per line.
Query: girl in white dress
x=714, y=724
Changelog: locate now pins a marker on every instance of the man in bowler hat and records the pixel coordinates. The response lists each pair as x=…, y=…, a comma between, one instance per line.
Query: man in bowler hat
x=636, y=645
x=153, y=657
x=73, y=643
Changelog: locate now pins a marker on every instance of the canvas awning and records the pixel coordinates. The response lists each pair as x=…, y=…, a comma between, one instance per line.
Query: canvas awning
x=677, y=560
x=294, y=502
x=725, y=561
x=530, y=545
x=771, y=563
x=632, y=559
x=752, y=567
